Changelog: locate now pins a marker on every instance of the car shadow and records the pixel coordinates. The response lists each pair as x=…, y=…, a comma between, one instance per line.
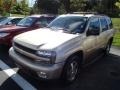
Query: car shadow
x=104, y=74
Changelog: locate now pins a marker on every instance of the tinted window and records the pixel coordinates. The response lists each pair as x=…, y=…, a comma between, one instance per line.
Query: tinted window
x=15, y=21
x=94, y=24
x=44, y=21
x=109, y=22
x=2, y=18
x=49, y=19
x=104, y=24
x=27, y=22
x=5, y=21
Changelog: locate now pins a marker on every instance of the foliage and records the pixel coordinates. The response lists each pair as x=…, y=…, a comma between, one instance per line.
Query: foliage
x=77, y=5
x=118, y=4
x=48, y=6
x=11, y=6
x=61, y=6
x=20, y=8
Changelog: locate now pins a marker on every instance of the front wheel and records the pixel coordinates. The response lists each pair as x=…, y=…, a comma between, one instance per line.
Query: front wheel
x=71, y=69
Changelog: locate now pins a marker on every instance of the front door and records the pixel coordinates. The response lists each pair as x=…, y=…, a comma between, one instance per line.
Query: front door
x=90, y=43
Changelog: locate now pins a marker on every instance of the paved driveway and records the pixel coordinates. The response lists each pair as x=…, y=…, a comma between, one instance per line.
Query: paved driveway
x=104, y=74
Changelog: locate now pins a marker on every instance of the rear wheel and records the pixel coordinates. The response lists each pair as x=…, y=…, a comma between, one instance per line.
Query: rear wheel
x=107, y=48
x=71, y=69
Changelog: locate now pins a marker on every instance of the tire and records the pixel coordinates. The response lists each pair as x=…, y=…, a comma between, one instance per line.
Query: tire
x=107, y=48
x=4, y=47
x=71, y=69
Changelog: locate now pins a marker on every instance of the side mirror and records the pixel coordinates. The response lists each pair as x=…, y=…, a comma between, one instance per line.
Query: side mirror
x=93, y=32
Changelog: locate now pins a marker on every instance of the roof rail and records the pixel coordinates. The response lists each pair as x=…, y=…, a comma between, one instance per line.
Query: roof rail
x=84, y=13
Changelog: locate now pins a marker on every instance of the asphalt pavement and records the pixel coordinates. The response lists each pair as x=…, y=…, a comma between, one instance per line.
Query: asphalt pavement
x=104, y=74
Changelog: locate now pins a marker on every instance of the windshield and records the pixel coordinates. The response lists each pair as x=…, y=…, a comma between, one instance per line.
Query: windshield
x=5, y=21
x=26, y=22
x=69, y=23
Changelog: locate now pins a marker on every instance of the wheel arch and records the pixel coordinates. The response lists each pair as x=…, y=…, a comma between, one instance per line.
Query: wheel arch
x=79, y=53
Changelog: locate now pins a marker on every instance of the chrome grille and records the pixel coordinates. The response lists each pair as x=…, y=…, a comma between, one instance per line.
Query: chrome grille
x=24, y=48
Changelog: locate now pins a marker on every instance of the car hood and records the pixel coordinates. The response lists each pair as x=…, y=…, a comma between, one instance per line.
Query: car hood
x=11, y=28
x=43, y=39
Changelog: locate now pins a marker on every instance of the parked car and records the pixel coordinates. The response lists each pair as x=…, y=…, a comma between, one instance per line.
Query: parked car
x=2, y=18
x=26, y=24
x=58, y=51
x=9, y=20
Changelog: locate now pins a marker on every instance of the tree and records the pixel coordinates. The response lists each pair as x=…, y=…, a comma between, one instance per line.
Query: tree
x=74, y=5
x=118, y=4
x=48, y=6
x=66, y=4
x=20, y=8
x=24, y=7
x=77, y=5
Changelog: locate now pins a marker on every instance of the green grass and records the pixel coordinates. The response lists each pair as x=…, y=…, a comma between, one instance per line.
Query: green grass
x=116, y=40
x=116, y=25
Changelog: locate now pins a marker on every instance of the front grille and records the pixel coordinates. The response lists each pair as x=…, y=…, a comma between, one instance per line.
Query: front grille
x=24, y=48
x=29, y=58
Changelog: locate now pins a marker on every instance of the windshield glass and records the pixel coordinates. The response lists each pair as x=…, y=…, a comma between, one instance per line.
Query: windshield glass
x=5, y=21
x=26, y=22
x=69, y=23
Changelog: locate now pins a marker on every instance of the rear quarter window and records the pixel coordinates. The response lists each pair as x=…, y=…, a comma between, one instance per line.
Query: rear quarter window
x=104, y=24
x=109, y=21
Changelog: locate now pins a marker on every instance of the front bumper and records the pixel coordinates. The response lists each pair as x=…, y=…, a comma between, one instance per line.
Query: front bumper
x=43, y=71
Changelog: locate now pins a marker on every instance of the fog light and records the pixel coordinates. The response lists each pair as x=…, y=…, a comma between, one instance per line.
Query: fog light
x=42, y=74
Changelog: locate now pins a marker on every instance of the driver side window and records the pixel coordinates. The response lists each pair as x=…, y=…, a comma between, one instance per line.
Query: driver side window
x=94, y=27
x=94, y=24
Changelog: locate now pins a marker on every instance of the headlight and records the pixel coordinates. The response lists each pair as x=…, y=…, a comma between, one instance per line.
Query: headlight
x=49, y=55
x=4, y=34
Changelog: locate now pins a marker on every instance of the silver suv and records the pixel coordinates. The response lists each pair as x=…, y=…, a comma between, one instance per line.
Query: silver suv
x=58, y=51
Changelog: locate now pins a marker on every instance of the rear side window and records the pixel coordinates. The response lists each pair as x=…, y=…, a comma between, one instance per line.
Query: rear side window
x=109, y=22
x=104, y=24
x=49, y=19
x=15, y=21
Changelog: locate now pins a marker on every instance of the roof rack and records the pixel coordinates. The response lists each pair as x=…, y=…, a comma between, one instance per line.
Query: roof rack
x=84, y=13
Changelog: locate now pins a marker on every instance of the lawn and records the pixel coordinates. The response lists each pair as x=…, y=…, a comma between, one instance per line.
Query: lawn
x=116, y=24
x=116, y=40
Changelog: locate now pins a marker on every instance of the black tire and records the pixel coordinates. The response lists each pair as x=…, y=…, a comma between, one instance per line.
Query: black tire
x=107, y=48
x=71, y=70
x=4, y=48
